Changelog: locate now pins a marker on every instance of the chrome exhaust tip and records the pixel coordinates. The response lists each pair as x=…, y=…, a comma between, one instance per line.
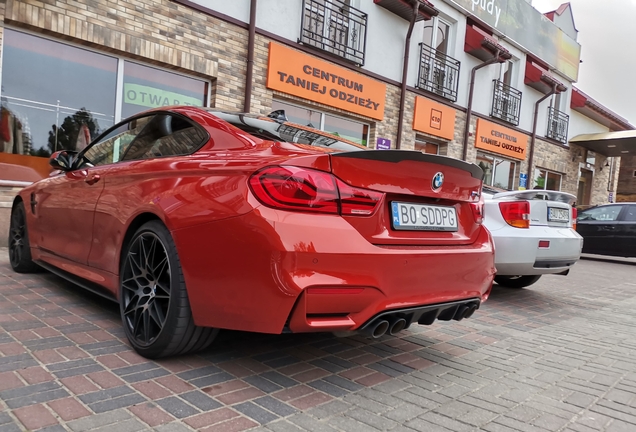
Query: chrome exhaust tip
x=397, y=326
x=379, y=329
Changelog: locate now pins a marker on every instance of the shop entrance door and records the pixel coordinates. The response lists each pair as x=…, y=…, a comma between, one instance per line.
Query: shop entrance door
x=585, y=188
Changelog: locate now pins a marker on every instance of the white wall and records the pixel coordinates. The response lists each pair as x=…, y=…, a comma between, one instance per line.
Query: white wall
x=238, y=9
x=579, y=124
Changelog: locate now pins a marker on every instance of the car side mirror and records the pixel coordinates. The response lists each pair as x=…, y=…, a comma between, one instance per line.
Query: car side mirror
x=63, y=160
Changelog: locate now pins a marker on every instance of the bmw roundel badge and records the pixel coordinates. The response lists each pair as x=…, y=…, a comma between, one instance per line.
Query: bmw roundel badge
x=438, y=181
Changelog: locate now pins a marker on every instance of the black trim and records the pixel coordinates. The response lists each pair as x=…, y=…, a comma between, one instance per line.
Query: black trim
x=554, y=264
x=83, y=283
x=424, y=315
x=395, y=156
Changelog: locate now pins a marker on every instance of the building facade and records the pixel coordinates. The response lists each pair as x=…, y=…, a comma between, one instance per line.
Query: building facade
x=71, y=69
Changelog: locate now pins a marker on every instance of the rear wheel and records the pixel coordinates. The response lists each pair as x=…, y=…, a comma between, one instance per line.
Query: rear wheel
x=19, y=248
x=154, y=303
x=516, y=281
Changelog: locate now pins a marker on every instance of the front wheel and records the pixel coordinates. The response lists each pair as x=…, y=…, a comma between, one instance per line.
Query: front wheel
x=19, y=248
x=516, y=281
x=154, y=304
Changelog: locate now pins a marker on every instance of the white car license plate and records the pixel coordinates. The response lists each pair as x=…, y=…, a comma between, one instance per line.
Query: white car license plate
x=558, y=215
x=407, y=216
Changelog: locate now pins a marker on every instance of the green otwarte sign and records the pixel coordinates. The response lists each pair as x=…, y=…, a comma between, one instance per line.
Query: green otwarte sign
x=152, y=97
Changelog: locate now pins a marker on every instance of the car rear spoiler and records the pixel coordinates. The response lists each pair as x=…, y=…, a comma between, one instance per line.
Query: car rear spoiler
x=533, y=194
x=395, y=156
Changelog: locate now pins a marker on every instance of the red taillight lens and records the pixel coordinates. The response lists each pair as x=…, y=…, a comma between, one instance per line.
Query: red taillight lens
x=516, y=213
x=357, y=202
x=292, y=188
x=575, y=214
x=478, y=210
x=302, y=189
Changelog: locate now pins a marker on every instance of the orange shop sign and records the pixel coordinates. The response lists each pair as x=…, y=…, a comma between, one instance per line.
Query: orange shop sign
x=498, y=139
x=301, y=75
x=434, y=118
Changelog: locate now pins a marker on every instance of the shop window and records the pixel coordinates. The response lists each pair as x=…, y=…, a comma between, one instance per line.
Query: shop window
x=51, y=92
x=547, y=180
x=499, y=173
x=426, y=147
x=60, y=97
x=338, y=126
x=147, y=87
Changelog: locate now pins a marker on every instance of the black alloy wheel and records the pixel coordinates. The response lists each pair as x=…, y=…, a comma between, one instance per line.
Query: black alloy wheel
x=19, y=248
x=146, y=288
x=154, y=303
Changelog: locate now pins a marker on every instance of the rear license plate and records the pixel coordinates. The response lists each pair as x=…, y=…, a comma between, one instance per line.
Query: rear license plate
x=422, y=217
x=558, y=215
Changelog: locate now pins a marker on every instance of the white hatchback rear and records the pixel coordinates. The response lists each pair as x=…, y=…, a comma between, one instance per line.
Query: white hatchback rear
x=534, y=234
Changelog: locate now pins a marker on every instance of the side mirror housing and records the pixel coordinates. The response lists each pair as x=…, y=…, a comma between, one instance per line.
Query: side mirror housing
x=63, y=160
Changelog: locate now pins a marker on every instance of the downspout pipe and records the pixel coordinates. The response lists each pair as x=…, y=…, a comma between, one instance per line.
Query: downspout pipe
x=555, y=89
x=405, y=69
x=499, y=57
x=247, y=105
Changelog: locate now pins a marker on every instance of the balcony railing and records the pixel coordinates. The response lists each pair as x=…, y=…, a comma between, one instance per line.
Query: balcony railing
x=506, y=102
x=439, y=73
x=557, y=125
x=335, y=27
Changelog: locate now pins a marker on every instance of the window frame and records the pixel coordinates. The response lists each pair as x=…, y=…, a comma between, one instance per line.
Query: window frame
x=547, y=172
x=494, y=169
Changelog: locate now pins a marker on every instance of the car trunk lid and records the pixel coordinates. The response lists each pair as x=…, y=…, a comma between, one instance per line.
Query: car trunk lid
x=547, y=208
x=407, y=179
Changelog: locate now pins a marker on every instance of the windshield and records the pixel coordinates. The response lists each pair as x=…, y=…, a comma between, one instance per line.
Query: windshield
x=272, y=130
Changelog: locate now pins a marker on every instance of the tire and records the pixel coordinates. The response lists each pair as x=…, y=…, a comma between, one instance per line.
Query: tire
x=153, y=300
x=19, y=248
x=516, y=281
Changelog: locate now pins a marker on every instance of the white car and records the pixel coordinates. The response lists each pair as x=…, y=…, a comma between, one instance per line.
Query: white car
x=534, y=234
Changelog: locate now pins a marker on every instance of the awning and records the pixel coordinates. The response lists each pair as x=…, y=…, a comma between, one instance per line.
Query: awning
x=404, y=9
x=611, y=144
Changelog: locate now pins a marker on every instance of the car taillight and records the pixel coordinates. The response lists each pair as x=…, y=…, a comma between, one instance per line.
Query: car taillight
x=516, y=213
x=355, y=201
x=478, y=210
x=302, y=189
x=575, y=213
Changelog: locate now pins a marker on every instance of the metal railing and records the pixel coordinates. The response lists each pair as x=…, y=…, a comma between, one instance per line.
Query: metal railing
x=438, y=73
x=557, y=125
x=506, y=102
x=335, y=27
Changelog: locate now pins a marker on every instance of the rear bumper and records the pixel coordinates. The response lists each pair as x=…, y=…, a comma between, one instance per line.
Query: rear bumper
x=519, y=254
x=271, y=270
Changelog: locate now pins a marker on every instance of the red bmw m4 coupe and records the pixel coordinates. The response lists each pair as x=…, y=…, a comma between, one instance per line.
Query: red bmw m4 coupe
x=196, y=220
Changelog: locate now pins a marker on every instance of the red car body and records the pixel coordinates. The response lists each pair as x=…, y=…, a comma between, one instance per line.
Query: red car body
x=248, y=266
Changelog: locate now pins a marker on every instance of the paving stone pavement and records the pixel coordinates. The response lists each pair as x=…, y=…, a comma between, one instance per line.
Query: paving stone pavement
x=558, y=356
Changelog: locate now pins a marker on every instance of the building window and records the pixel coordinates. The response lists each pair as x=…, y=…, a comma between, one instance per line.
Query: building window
x=338, y=126
x=546, y=180
x=427, y=147
x=498, y=172
x=57, y=96
x=438, y=72
x=336, y=27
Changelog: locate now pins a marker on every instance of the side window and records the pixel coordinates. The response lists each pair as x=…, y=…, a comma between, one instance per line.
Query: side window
x=113, y=146
x=609, y=213
x=630, y=214
x=165, y=135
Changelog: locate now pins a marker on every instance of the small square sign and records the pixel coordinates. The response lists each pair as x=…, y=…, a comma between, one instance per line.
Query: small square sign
x=383, y=144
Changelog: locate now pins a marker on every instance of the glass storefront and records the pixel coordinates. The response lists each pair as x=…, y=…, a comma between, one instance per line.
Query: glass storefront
x=499, y=173
x=57, y=96
x=338, y=126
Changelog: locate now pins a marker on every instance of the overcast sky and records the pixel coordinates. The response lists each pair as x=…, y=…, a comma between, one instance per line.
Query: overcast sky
x=607, y=34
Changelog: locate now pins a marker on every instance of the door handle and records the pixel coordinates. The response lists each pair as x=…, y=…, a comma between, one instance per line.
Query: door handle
x=92, y=179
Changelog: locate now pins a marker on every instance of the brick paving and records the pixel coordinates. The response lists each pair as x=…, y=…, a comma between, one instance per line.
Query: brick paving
x=559, y=356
